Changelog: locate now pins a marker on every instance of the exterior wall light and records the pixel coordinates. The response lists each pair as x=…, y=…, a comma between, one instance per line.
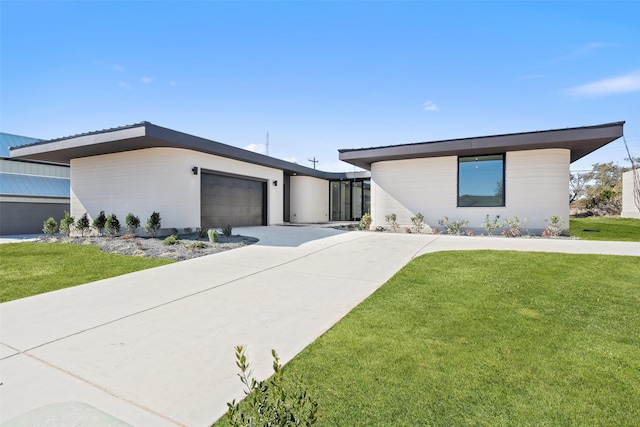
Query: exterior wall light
x=194, y=170
x=275, y=182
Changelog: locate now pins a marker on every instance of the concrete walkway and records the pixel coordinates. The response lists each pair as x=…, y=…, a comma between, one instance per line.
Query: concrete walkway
x=155, y=348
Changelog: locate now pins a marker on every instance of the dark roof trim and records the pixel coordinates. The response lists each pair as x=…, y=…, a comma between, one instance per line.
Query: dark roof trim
x=581, y=141
x=147, y=135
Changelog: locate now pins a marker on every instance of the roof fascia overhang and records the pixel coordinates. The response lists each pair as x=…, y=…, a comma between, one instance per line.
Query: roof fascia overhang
x=147, y=135
x=580, y=141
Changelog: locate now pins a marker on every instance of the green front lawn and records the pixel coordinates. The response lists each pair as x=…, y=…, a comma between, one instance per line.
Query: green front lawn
x=33, y=268
x=485, y=338
x=597, y=228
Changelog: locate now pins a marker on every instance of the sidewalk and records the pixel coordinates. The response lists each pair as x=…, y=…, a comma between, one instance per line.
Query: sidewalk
x=155, y=348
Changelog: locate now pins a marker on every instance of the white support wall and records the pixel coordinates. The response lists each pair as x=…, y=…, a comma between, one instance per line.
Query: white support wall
x=309, y=199
x=536, y=186
x=158, y=179
x=629, y=208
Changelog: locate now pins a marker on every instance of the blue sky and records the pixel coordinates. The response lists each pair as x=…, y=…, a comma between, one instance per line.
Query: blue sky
x=319, y=76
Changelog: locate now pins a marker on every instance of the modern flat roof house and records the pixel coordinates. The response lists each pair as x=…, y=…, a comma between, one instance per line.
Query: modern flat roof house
x=195, y=182
x=30, y=191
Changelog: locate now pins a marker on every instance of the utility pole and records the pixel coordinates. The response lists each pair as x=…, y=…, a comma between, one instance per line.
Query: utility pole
x=314, y=161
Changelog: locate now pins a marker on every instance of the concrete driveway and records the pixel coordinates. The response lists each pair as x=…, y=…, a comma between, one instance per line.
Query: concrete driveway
x=155, y=348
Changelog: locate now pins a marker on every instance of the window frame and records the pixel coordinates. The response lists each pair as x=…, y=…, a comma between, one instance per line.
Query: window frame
x=504, y=183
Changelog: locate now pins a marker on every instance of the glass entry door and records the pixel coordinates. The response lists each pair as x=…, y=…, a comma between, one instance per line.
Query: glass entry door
x=349, y=199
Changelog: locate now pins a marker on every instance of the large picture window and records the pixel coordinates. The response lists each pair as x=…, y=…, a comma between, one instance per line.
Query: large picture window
x=481, y=181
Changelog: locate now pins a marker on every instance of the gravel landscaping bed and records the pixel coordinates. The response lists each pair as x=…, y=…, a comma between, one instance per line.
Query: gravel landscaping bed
x=187, y=247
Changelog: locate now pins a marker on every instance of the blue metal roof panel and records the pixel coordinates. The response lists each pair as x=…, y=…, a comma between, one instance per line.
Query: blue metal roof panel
x=32, y=185
x=9, y=140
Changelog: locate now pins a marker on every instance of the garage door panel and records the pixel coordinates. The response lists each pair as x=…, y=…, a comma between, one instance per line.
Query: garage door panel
x=231, y=200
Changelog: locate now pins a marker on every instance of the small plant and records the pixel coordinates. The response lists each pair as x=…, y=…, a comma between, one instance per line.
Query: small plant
x=83, y=224
x=455, y=227
x=392, y=220
x=514, y=226
x=365, y=221
x=201, y=232
x=226, y=230
x=554, y=225
x=418, y=223
x=213, y=236
x=196, y=245
x=187, y=230
x=171, y=240
x=153, y=224
x=66, y=224
x=50, y=226
x=435, y=230
x=470, y=232
x=112, y=225
x=546, y=233
x=99, y=222
x=132, y=222
x=175, y=231
x=491, y=226
x=269, y=402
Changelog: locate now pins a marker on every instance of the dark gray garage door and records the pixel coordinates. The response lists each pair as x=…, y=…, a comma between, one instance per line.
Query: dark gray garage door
x=232, y=200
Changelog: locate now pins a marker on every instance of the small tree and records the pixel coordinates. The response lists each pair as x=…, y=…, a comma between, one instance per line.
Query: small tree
x=66, y=224
x=392, y=220
x=418, y=223
x=491, y=226
x=99, y=222
x=112, y=224
x=50, y=226
x=83, y=224
x=365, y=221
x=153, y=224
x=554, y=225
x=132, y=222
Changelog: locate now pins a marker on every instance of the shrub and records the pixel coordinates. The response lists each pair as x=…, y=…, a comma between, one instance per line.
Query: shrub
x=187, y=230
x=554, y=225
x=226, y=230
x=365, y=221
x=491, y=226
x=83, y=224
x=201, y=232
x=392, y=220
x=99, y=222
x=455, y=227
x=175, y=231
x=418, y=223
x=112, y=225
x=171, y=240
x=153, y=224
x=514, y=226
x=132, y=222
x=269, y=402
x=66, y=224
x=50, y=226
x=213, y=236
x=197, y=245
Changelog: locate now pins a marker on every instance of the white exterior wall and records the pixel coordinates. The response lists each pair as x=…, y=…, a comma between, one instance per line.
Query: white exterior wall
x=158, y=179
x=309, y=201
x=629, y=208
x=536, y=187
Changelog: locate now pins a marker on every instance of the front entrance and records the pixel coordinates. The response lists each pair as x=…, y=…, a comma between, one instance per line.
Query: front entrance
x=349, y=199
x=232, y=200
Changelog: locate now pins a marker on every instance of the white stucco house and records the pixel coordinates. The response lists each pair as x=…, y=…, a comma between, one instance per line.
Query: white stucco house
x=630, y=193
x=194, y=182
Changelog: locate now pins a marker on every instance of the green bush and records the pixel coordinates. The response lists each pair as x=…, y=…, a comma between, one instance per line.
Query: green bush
x=66, y=224
x=83, y=224
x=365, y=221
x=491, y=226
x=171, y=240
x=112, y=225
x=201, y=232
x=99, y=222
x=132, y=222
x=187, y=230
x=514, y=226
x=213, y=236
x=392, y=220
x=226, y=230
x=153, y=224
x=418, y=223
x=554, y=225
x=270, y=403
x=453, y=227
x=197, y=245
x=50, y=226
